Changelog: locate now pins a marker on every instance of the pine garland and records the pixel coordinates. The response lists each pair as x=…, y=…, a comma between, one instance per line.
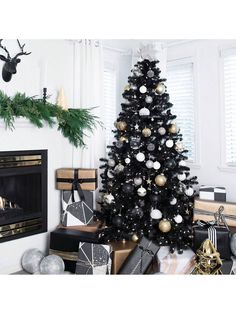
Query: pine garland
x=72, y=122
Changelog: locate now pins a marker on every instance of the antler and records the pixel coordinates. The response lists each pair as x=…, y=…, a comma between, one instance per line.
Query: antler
x=22, y=50
x=5, y=49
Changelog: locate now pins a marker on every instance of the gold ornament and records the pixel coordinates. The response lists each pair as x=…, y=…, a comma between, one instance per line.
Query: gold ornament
x=164, y=225
x=160, y=180
x=160, y=89
x=146, y=132
x=121, y=125
x=173, y=128
x=208, y=260
x=135, y=238
x=123, y=139
x=127, y=87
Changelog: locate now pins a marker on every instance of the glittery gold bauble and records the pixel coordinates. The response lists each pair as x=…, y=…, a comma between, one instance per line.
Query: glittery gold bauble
x=127, y=87
x=135, y=238
x=146, y=132
x=123, y=139
x=160, y=180
x=173, y=128
x=160, y=89
x=121, y=125
x=164, y=225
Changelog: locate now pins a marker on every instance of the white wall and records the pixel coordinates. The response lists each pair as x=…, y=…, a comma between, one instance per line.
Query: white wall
x=50, y=64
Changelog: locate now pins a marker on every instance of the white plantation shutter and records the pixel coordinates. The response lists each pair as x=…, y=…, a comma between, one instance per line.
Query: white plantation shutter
x=181, y=90
x=109, y=103
x=229, y=67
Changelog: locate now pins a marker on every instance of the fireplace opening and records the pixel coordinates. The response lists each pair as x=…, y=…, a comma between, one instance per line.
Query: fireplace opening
x=23, y=193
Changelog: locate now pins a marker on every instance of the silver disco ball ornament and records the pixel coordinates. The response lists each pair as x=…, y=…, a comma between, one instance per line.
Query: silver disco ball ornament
x=31, y=259
x=52, y=265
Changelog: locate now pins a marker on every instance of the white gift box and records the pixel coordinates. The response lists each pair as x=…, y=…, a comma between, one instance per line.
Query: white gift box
x=212, y=193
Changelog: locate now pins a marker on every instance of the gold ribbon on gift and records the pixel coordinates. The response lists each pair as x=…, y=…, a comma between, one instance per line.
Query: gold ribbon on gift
x=69, y=256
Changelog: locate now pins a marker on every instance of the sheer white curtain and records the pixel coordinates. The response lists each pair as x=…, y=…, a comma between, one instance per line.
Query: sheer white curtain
x=89, y=90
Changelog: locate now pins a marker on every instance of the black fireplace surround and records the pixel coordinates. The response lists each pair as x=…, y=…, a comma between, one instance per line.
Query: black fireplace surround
x=23, y=193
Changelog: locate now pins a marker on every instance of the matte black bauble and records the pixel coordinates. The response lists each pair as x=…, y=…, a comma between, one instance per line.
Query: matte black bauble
x=117, y=221
x=128, y=188
x=154, y=198
x=137, y=212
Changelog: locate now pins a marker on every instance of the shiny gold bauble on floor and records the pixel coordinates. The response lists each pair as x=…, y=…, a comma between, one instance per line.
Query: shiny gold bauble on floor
x=135, y=238
x=160, y=180
x=146, y=132
x=173, y=129
x=164, y=225
x=121, y=125
x=160, y=89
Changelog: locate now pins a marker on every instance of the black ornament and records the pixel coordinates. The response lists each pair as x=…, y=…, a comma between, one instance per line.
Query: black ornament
x=170, y=163
x=128, y=188
x=137, y=212
x=155, y=198
x=117, y=221
x=135, y=142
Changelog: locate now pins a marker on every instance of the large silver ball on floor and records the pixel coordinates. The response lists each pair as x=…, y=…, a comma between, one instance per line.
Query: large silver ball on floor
x=233, y=244
x=31, y=259
x=52, y=265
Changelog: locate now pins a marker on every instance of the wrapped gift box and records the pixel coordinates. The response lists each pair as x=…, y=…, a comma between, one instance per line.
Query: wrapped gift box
x=212, y=193
x=65, y=243
x=93, y=259
x=66, y=177
x=76, y=211
x=120, y=251
x=205, y=210
x=174, y=263
x=141, y=260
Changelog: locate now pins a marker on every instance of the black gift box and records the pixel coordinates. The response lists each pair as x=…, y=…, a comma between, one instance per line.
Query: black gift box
x=65, y=243
x=226, y=267
x=222, y=238
x=142, y=259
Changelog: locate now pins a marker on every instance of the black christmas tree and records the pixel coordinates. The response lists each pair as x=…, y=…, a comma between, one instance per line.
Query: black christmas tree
x=146, y=185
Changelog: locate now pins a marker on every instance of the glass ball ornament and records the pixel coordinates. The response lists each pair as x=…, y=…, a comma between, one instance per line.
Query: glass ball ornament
x=233, y=244
x=148, y=99
x=189, y=191
x=31, y=260
x=108, y=198
x=182, y=163
x=119, y=168
x=150, y=73
x=169, y=143
x=164, y=225
x=52, y=265
x=111, y=163
x=144, y=112
x=161, y=130
x=173, y=201
x=127, y=160
x=149, y=164
x=173, y=129
x=156, y=214
x=178, y=219
x=142, y=191
x=151, y=147
x=127, y=188
x=181, y=176
x=143, y=89
x=146, y=132
x=117, y=221
x=140, y=157
x=160, y=89
x=160, y=180
x=138, y=181
x=156, y=165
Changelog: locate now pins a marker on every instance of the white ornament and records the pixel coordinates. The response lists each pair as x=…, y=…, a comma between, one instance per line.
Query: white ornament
x=127, y=160
x=144, y=112
x=142, y=192
x=111, y=162
x=182, y=163
x=178, y=219
x=119, y=168
x=181, y=177
x=143, y=89
x=189, y=191
x=133, y=87
x=140, y=157
x=108, y=198
x=138, y=181
x=148, y=99
x=169, y=143
x=161, y=131
x=173, y=201
x=156, y=214
x=156, y=165
x=179, y=146
x=149, y=164
x=110, y=175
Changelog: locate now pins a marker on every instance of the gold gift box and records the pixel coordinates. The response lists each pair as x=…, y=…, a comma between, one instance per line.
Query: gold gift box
x=86, y=177
x=120, y=251
x=205, y=210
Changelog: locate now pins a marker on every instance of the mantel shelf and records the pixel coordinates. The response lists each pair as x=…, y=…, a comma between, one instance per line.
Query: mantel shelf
x=20, y=123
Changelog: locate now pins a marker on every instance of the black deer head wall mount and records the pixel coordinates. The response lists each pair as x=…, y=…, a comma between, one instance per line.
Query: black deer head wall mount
x=10, y=64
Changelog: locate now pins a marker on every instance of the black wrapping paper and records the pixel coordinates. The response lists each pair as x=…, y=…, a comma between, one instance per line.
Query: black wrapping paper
x=142, y=259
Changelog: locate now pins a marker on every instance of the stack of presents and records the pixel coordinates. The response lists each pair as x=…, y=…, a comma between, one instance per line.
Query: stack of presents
x=77, y=241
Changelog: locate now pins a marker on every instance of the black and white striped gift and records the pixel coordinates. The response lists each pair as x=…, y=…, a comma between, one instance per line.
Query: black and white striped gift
x=212, y=193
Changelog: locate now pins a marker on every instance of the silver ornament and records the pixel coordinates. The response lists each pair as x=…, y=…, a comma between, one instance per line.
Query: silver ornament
x=140, y=157
x=169, y=143
x=144, y=112
x=179, y=146
x=173, y=201
x=189, y=191
x=150, y=73
x=156, y=214
x=150, y=147
x=156, y=165
x=52, y=265
x=31, y=260
x=233, y=244
x=142, y=191
x=138, y=181
x=110, y=175
x=182, y=163
x=143, y=89
x=148, y=99
x=108, y=198
x=133, y=87
x=160, y=89
x=119, y=168
x=181, y=177
x=111, y=163
x=178, y=219
x=149, y=164
x=161, y=131
x=127, y=160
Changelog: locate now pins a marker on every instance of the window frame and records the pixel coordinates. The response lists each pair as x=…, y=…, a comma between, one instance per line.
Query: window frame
x=186, y=60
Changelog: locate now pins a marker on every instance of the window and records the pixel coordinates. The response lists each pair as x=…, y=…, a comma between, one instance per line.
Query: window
x=180, y=86
x=109, y=103
x=229, y=91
